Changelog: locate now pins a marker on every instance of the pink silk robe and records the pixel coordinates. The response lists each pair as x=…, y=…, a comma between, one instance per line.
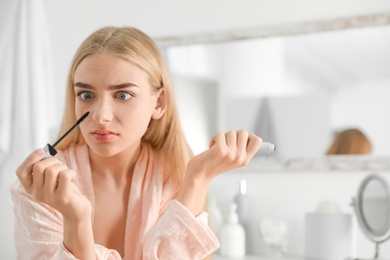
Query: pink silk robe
x=157, y=227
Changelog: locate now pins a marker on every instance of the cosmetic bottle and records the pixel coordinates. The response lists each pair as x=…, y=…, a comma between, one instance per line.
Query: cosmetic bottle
x=241, y=200
x=215, y=215
x=232, y=237
x=242, y=204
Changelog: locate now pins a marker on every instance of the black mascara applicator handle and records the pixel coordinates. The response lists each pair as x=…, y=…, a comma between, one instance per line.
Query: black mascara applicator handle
x=50, y=150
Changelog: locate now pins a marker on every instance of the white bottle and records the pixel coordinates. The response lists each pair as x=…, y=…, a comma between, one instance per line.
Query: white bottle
x=242, y=204
x=232, y=237
x=215, y=215
x=241, y=200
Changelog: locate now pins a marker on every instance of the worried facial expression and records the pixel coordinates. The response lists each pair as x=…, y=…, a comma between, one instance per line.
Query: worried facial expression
x=120, y=100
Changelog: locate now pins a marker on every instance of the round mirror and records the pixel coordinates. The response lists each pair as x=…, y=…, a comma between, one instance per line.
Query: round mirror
x=375, y=206
x=372, y=207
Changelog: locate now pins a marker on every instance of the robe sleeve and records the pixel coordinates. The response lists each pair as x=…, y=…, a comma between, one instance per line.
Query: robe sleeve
x=179, y=235
x=176, y=235
x=39, y=230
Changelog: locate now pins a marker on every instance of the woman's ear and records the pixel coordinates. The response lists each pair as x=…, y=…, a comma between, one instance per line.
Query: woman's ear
x=159, y=110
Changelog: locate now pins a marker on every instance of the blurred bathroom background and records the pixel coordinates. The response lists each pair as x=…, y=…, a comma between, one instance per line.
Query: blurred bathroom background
x=294, y=72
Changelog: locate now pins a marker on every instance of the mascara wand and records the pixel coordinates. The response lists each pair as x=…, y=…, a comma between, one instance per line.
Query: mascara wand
x=50, y=150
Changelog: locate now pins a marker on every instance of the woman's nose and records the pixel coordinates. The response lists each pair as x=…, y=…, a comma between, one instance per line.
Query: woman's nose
x=102, y=112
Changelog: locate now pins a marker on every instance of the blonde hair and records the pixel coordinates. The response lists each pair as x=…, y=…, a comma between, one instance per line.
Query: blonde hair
x=164, y=135
x=350, y=141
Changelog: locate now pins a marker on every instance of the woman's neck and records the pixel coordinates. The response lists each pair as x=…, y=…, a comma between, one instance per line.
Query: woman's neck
x=117, y=168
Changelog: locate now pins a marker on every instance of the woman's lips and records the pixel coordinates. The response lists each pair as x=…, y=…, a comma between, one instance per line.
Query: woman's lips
x=103, y=135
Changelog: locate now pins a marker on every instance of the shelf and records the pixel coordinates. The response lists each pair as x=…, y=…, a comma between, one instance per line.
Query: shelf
x=256, y=257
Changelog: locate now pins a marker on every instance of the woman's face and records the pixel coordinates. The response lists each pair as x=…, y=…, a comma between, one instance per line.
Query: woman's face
x=120, y=100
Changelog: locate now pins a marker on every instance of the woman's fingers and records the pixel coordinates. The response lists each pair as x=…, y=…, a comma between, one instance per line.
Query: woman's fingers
x=52, y=175
x=55, y=189
x=44, y=174
x=254, y=143
x=242, y=140
x=52, y=182
x=237, y=142
x=231, y=139
x=217, y=138
x=234, y=148
x=23, y=172
x=39, y=168
x=65, y=179
x=228, y=151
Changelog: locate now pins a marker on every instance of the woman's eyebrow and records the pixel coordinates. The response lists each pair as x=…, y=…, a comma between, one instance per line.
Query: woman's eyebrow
x=112, y=87
x=123, y=85
x=83, y=85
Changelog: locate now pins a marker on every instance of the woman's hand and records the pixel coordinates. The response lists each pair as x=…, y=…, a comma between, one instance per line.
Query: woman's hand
x=227, y=152
x=51, y=182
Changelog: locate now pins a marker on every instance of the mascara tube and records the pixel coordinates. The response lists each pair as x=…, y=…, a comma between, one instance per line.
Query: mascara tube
x=266, y=148
x=49, y=151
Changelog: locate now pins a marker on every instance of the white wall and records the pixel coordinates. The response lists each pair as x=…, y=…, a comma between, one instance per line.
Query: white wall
x=298, y=125
x=367, y=106
x=200, y=113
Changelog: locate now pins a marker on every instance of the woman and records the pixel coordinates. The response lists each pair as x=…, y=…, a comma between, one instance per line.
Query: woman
x=125, y=184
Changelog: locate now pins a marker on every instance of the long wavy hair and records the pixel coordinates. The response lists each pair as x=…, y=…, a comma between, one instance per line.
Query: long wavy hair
x=165, y=134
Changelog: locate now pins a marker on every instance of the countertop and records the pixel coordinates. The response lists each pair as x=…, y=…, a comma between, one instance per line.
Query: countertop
x=257, y=257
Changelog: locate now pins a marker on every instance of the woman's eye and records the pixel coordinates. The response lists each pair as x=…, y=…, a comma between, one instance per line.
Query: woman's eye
x=123, y=95
x=85, y=95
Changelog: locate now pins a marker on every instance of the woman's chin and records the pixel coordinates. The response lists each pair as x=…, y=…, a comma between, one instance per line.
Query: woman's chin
x=104, y=151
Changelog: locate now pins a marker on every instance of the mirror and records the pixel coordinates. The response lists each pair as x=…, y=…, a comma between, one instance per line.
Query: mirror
x=314, y=83
x=374, y=202
x=372, y=207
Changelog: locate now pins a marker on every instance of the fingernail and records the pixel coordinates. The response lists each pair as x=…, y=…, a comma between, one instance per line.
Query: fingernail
x=39, y=151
